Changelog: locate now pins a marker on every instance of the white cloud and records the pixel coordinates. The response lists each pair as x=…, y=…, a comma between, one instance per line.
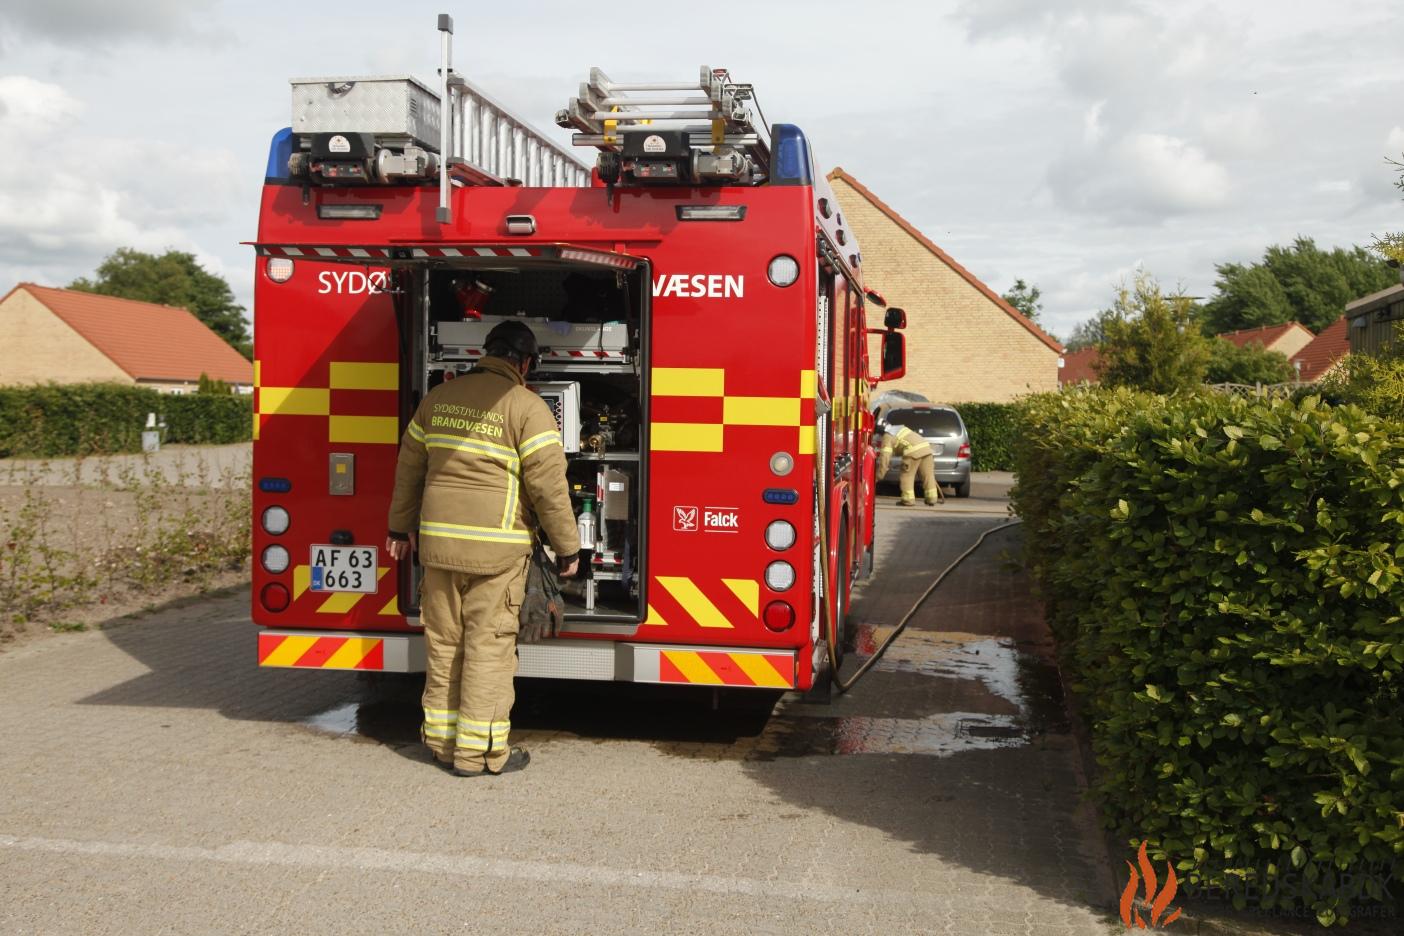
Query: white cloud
x=69, y=197
x=1140, y=178
x=1395, y=141
x=29, y=107
x=102, y=21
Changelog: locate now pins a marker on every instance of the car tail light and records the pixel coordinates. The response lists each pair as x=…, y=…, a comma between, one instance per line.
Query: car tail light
x=964, y=451
x=275, y=597
x=779, y=616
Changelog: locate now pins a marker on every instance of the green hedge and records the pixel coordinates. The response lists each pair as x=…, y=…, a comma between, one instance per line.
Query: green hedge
x=992, y=427
x=53, y=420
x=1224, y=579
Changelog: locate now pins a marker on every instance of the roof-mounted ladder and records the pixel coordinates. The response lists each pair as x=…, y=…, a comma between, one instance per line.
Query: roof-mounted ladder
x=483, y=143
x=714, y=110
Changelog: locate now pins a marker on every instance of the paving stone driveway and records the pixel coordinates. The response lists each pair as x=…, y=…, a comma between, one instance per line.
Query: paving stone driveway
x=155, y=780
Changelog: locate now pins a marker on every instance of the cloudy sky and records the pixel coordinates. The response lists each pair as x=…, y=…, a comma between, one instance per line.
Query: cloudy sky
x=1065, y=143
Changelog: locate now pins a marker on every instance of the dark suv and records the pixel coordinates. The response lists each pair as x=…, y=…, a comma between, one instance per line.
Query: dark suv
x=945, y=430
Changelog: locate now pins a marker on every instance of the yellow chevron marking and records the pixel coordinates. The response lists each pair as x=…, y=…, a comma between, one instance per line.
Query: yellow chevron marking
x=289, y=651
x=342, y=602
x=258, y=371
x=759, y=670
x=364, y=375
x=689, y=381
x=761, y=411
x=806, y=440
x=294, y=401
x=808, y=380
x=748, y=590
x=687, y=437
x=693, y=601
x=392, y=606
x=302, y=580
x=351, y=653
x=654, y=619
x=375, y=429
x=692, y=667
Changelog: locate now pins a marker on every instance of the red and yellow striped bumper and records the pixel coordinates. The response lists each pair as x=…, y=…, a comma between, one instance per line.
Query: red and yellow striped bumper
x=340, y=650
x=749, y=668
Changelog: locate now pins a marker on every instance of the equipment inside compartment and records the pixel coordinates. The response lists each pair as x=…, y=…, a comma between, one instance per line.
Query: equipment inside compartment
x=592, y=338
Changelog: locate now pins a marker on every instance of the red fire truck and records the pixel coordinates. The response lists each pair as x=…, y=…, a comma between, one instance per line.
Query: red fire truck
x=698, y=297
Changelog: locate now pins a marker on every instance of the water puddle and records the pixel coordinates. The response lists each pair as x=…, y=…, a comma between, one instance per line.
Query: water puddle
x=987, y=693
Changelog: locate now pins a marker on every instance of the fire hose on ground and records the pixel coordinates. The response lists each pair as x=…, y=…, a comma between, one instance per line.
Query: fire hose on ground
x=829, y=599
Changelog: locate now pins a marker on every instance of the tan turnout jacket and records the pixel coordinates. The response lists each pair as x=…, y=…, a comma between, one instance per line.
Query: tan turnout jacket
x=480, y=463
x=901, y=441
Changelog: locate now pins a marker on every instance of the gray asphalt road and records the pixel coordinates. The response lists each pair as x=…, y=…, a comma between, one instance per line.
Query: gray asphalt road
x=155, y=780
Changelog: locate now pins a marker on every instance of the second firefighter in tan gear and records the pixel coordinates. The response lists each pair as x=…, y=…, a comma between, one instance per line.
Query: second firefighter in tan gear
x=481, y=463
x=917, y=458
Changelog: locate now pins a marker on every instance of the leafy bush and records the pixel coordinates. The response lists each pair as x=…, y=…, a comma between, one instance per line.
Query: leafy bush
x=1224, y=579
x=1250, y=364
x=1372, y=383
x=207, y=419
x=991, y=427
x=58, y=420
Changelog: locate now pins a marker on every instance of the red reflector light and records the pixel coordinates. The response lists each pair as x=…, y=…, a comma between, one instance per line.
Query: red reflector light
x=964, y=451
x=779, y=616
x=275, y=597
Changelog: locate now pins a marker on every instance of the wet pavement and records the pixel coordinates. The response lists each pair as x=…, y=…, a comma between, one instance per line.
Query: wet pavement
x=156, y=780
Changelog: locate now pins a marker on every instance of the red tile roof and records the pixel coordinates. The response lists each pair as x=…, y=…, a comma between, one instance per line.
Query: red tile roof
x=1264, y=335
x=1079, y=367
x=1324, y=351
x=946, y=258
x=148, y=341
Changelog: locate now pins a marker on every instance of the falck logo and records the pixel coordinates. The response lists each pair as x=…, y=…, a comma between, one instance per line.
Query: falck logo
x=685, y=519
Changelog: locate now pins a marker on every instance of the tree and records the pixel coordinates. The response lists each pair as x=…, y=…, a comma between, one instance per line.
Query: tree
x=1298, y=283
x=1392, y=245
x=174, y=278
x=1250, y=364
x=1025, y=298
x=1151, y=341
x=1091, y=332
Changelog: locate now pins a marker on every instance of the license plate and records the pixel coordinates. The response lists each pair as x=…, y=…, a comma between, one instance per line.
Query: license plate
x=937, y=448
x=344, y=569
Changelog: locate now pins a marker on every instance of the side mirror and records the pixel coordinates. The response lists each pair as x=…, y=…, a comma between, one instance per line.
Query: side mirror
x=894, y=354
x=895, y=318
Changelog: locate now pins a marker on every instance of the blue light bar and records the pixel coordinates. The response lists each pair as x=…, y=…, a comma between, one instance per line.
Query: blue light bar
x=780, y=496
x=792, y=164
x=274, y=485
x=279, y=152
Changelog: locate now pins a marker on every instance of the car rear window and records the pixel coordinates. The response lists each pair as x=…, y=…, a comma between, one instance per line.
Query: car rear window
x=931, y=423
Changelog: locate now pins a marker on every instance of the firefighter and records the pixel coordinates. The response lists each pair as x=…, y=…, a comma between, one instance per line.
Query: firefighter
x=916, y=456
x=481, y=463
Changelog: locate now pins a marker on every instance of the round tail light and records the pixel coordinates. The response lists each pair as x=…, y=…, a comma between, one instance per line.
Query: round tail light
x=778, y=616
x=275, y=597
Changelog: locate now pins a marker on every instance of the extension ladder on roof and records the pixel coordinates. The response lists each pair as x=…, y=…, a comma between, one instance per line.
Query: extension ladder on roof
x=483, y=143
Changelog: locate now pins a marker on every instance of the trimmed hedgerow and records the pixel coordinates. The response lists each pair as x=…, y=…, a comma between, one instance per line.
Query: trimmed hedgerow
x=991, y=427
x=58, y=420
x=1224, y=579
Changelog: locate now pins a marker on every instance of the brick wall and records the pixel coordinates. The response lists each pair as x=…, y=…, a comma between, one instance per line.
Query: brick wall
x=961, y=346
x=39, y=347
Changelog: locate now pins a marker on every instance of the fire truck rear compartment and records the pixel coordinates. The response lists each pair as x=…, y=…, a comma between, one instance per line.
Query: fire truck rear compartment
x=591, y=326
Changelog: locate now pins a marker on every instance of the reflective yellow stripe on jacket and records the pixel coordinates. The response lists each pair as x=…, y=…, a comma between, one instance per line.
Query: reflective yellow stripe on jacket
x=912, y=443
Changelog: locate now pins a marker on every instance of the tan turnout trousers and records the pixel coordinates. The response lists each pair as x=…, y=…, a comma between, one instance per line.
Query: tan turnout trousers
x=926, y=465
x=470, y=638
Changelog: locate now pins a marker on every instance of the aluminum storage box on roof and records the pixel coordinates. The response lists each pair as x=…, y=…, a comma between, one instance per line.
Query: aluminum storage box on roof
x=394, y=106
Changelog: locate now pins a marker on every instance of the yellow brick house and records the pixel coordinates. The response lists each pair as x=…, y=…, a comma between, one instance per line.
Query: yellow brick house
x=965, y=344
